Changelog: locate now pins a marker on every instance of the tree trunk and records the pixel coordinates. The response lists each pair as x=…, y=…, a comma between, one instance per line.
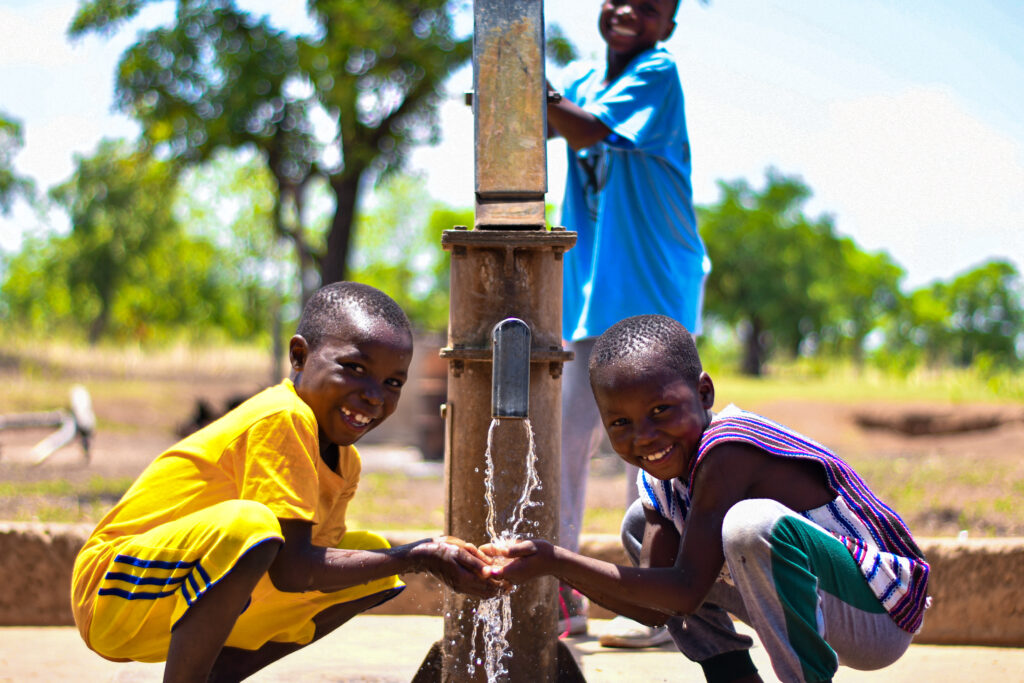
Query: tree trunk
x=333, y=267
x=752, y=351
x=99, y=324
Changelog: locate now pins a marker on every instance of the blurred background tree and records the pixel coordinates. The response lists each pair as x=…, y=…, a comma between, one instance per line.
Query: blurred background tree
x=975, y=319
x=131, y=270
x=788, y=283
x=373, y=74
x=770, y=266
x=400, y=252
x=12, y=185
x=117, y=203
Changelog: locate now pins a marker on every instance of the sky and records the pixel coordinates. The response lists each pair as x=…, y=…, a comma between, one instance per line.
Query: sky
x=905, y=119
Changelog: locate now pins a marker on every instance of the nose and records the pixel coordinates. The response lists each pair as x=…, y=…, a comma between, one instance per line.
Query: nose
x=372, y=394
x=645, y=433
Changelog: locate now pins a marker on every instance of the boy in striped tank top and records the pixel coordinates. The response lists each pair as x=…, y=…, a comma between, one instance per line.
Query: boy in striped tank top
x=739, y=515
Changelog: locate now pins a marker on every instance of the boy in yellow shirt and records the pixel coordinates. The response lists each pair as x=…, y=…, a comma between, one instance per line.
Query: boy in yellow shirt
x=231, y=549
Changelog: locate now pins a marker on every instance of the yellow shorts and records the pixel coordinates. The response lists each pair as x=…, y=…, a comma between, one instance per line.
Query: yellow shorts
x=156, y=576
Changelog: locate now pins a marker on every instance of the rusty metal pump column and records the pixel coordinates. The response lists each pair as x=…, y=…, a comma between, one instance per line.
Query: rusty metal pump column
x=509, y=267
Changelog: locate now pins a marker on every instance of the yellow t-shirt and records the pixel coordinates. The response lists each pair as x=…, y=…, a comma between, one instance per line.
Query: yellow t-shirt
x=265, y=450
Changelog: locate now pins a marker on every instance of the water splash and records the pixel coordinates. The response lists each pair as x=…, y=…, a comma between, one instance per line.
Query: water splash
x=493, y=617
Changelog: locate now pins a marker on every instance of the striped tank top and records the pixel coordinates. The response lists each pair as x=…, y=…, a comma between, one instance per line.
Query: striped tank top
x=876, y=537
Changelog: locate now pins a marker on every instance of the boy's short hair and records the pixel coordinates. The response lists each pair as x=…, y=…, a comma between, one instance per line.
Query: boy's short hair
x=320, y=316
x=642, y=334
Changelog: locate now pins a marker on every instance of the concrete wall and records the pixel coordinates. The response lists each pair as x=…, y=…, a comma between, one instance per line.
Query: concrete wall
x=976, y=585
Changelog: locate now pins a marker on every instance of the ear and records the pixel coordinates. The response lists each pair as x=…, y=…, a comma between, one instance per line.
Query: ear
x=298, y=352
x=706, y=390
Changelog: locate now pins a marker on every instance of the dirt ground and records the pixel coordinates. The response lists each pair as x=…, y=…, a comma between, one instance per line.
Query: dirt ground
x=942, y=484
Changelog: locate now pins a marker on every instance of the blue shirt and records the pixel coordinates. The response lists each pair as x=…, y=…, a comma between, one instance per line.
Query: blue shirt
x=630, y=201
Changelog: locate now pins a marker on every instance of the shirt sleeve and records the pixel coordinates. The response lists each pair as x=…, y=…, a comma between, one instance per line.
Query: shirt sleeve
x=277, y=458
x=643, y=108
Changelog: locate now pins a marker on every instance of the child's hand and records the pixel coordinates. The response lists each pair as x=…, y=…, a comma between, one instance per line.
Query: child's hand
x=466, y=545
x=459, y=564
x=518, y=562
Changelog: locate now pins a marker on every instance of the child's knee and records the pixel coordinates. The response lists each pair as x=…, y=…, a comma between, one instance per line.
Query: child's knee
x=749, y=523
x=246, y=517
x=363, y=540
x=242, y=526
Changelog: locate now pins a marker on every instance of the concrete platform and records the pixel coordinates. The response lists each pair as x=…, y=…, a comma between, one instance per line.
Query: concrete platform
x=386, y=649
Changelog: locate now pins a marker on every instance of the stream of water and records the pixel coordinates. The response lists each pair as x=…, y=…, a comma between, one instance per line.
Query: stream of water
x=493, y=617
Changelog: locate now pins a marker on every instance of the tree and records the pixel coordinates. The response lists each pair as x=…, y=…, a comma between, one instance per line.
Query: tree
x=12, y=185
x=148, y=256
x=398, y=249
x=769, y=265
x=220, y=78
x=987, y=314
x=863, y=291
x=117, y=203
x=976, y=317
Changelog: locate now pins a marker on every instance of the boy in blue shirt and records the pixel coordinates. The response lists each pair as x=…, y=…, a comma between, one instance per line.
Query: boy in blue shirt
x=629, y=199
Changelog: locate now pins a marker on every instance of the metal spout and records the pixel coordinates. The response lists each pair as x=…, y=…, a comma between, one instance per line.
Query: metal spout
x=510, y=374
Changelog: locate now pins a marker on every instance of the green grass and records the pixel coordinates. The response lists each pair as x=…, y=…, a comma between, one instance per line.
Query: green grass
x=843, y=383
x=60, y=500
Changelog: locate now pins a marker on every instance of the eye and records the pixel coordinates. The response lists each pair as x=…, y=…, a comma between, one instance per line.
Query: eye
x=354, y=368
x=618, y=422
x=394, y=383
x=658, y=410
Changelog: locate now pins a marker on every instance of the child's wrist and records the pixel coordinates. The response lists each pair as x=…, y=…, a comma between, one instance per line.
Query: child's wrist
x=419, y=556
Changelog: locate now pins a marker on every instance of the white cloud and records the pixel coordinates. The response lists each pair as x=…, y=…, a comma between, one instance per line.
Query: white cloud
x=920, y=176
x=913, y=173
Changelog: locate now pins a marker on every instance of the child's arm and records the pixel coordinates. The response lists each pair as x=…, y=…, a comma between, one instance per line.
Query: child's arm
x=302, y=566
x=580, y=128
x=680, y=571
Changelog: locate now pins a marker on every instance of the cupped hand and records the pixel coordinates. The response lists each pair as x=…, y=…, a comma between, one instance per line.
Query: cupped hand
x=519, y=561
x=461, y=565
x=465, y=545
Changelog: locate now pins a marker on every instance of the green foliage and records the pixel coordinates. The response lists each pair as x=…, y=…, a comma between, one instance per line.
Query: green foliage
x=117, y=203
x=398, y=249
x=789, y=283
x=12, y=185
x=770, y=263
x=218, y=78
x=129, y=270
x=976, y=319
x=559, y=49
x=229, y=202
x=34, y=295
x=379, y=68
x=863, y=289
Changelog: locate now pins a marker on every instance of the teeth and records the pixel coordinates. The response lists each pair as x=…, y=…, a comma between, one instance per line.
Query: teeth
x=622, y=31
x=360, y=419
x=657, y=456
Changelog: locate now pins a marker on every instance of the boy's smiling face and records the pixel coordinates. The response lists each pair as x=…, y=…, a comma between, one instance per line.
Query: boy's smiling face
x=353, y=381
x=654, y=417
x=631, y=26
